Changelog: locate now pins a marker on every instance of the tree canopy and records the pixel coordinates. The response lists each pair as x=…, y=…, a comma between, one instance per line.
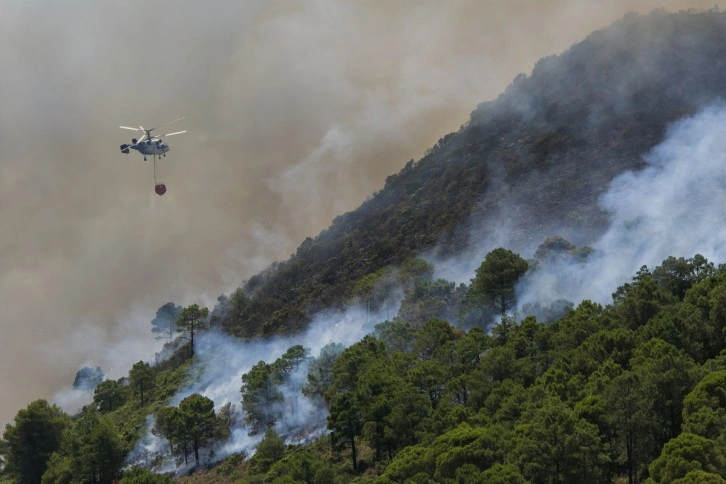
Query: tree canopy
x=496, y=279
x=34, y=435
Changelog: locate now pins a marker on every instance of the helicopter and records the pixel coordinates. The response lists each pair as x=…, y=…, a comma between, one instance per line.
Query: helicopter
x=151, y=145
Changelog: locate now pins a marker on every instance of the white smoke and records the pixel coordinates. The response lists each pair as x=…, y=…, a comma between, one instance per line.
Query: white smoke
x=673, y=207
x=72, y=400
x=220, y=362
x=121, y=342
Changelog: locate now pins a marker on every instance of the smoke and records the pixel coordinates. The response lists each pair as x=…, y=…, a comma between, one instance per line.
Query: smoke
x=673, y=207
x=220, y=362
x=296, y=111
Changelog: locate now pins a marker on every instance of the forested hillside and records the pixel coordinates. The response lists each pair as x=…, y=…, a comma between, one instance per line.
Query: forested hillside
x=448, y=382
x=543, y=152
x=633, y=391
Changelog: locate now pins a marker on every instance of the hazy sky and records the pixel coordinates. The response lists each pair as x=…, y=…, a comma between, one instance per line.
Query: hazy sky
x=296, y=111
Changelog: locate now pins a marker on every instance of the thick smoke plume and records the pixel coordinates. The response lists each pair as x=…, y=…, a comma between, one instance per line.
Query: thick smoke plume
x=296, y=111
x=220, y=362
x=673, y=207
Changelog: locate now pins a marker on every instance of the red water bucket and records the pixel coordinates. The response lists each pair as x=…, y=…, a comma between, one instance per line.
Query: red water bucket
x=160, y=189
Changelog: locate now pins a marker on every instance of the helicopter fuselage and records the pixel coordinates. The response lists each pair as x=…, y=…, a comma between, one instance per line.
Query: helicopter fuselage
x=150, y=147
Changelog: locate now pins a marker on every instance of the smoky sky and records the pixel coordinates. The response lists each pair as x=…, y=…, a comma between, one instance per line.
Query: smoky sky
x=296, y=111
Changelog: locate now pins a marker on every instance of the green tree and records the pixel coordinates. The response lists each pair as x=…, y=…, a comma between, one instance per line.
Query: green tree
x=270, y=450
x=36, y=433
x=353, y=361
x=411, y=461
x=616, y=345
x=592, y=409
x=496, y=278
x=677, y=275
x=108, y=396
x=635, y=303
x=91, y=453
x=374, y=290
x=430, y=341
x=200, y=422
x=141, y=379
x=433, y=350
x=430, y=379
x=261, y=396
x=304, y=466
x=631, y=417
x=346, y=423
x=171, y=424
x=289, y=362
x=345, y=419
x=190, y=320
x=396, y=335
x=237, y=306
x=430, y=299
x=552, y=445
x=667, y=375
x=320, y=370
x=97, y=454
x=454, y=454
x=478, y=446
x=700, y=477
x=575, y=327
x=503, y=474
x=164, y=324
x=191, y=427
x=390, y=408
x=685, y=453
x=141, y=475
x=704, y=408
x=465, y=355
x=59, y=470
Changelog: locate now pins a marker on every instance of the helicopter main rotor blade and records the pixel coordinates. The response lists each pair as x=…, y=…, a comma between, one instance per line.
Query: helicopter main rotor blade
x=177, y=132
x=132, y=129
x=177, y=119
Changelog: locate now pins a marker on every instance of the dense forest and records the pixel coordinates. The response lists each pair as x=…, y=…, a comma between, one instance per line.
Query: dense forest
x=462, y=383
x=632, y=390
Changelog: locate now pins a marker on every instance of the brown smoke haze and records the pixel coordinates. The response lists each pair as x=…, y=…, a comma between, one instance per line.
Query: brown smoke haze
x=296, y=111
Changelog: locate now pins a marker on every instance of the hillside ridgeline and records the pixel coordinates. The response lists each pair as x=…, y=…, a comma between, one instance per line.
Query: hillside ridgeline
x=537, y=158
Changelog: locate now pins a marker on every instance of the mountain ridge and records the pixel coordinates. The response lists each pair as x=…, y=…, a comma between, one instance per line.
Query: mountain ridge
x=547, y=147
